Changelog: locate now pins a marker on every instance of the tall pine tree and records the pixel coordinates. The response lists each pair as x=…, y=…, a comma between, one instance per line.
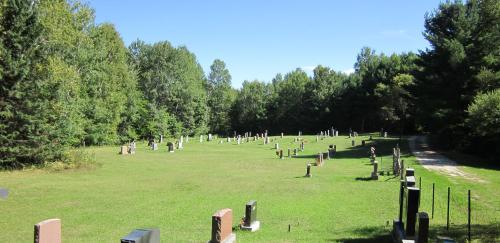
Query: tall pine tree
x=25, y=133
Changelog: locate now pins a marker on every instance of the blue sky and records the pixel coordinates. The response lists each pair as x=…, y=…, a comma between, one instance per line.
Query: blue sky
x=258, y=39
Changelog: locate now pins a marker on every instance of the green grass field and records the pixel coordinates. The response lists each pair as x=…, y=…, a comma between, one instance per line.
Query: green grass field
x=178, y=192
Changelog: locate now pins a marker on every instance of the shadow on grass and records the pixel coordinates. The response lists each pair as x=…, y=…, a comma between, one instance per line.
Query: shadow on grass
x=308, y=156
x=368, y=235
x=363, y=178
x=383, y=148
x=483, y=233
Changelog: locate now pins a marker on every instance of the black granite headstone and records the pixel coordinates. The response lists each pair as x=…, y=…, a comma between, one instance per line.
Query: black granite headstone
x=422, y=228
x=250, y=213
x=410, y=208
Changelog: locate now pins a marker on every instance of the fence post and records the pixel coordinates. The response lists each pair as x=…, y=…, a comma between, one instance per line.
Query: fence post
x=433, y=184
x=448, y=212
x=468, y=220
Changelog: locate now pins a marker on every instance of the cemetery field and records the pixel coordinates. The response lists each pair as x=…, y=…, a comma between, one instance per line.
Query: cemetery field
x=178, y=192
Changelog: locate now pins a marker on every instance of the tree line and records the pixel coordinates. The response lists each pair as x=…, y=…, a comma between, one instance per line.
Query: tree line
x=67, y=81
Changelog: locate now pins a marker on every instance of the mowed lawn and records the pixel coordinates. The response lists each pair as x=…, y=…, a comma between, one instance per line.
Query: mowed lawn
x=178, y=192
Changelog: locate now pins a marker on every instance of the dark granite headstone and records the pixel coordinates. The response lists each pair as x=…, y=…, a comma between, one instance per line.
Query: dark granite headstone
x=308, y=170
x=250, y=212
x=170, y=147
x=410, y=209
x=422, y=228
x=410, y=172
x=142, y=236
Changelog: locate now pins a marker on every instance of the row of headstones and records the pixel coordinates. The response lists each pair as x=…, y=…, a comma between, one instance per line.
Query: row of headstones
x=128, y=149
x=320, y=159
x=49, y=231
x=280, y=154
x=411, y=225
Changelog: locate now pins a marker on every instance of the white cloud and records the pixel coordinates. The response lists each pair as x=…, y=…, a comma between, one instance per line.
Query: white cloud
x=308, y=68
x=348, y=71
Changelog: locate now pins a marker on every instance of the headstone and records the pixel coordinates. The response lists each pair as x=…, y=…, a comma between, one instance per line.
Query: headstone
x=363, y=143
x=319, y=159
x=4, y=193
x=326, y=155
x=353, y=143
x=422, y=228
x=331, y=151
x=132, y=147
x=180, y=144
x=336, y=133
x=410, y=209
x=48, y=231
x=370, y=137
x=289, y=153
x=154, y=146
x=209, y=137
x=228, y=139
x=161, y=138
x=281, y=135
x=308, y=171
x=170, y=147
x=410, y=172
x=250, y=221
x=201, y=138
x=295, y=152
x=302, y=146
x=281, y=154
x=410, y=181
x=239, y=140
x=276, y=146
x=385, y=134
x=222, y=227
x=328, y=133
x=375, y=171
x=124, y=149
x=142, y=235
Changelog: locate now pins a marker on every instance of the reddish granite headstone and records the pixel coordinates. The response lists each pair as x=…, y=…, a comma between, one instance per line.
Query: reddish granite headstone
x=48, y=231
x=222, y=225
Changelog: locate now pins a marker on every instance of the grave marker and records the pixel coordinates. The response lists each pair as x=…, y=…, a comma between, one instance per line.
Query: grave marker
x=48, y=231
x=170, y=147
x=308, y=171
x=154, y=146
x=250, y=221
x=124, y=149
x=422, y=228
x=222, y=227
x=142, y=235
x=319, y=159
x=375, y=171
x=4, y=193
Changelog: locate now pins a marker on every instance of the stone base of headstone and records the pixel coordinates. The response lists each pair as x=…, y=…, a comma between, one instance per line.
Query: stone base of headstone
x=252, y=228
x=374, y=176
x=230, y=239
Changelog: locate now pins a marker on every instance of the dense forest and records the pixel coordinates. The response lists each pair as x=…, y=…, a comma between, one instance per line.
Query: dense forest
x=67, y=82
